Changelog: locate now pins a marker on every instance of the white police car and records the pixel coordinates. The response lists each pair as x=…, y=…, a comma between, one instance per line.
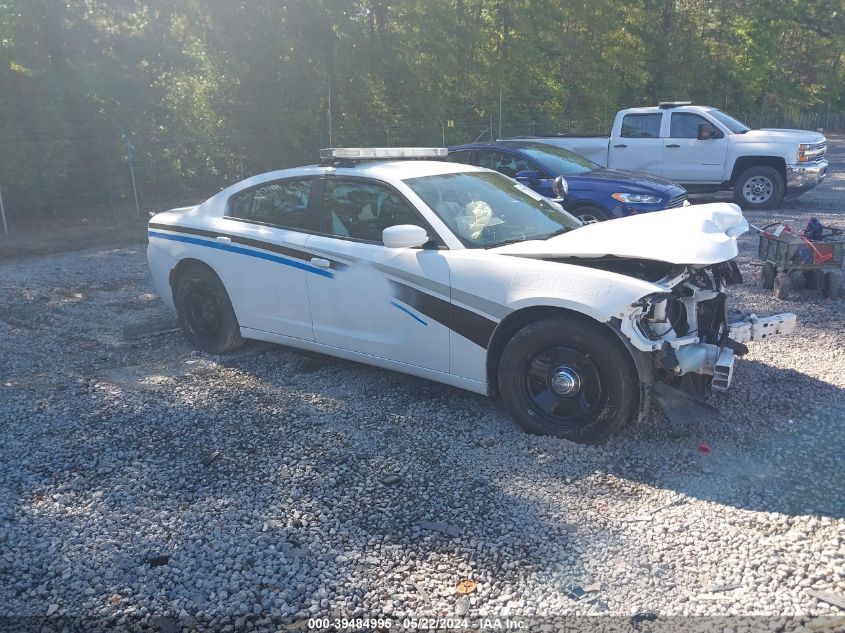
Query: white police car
x=462, y=275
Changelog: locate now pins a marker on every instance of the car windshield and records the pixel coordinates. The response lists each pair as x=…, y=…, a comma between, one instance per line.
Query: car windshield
x=486, y=209
x=559, y=161
x=729, y=122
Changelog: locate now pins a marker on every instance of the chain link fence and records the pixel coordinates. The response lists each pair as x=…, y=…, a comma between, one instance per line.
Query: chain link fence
x=100, y=175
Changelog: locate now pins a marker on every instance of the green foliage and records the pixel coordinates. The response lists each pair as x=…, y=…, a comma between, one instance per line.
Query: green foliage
x=209, y=91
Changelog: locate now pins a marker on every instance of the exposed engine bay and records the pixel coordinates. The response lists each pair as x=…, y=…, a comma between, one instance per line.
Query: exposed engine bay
x=688, y=333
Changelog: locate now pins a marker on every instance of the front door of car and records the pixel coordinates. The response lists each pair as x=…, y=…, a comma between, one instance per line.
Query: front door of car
x=688, y=159
x=262, y=240
x=392, y=303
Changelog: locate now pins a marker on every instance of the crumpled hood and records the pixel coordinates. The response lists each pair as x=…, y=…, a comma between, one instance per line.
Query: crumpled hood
x=702, y=235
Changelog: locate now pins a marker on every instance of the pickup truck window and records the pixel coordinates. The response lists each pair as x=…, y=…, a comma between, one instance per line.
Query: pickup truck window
x=685, y=125
x=641, y=125
x=729, y=122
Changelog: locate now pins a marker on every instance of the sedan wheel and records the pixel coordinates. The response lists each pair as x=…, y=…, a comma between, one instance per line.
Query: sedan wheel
x=205, y=311
x=568, y=377
x=591, y=215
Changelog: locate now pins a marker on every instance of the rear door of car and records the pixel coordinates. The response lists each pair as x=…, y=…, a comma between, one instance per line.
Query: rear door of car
x=263, y=236
x=637, y=144
x=392, y=303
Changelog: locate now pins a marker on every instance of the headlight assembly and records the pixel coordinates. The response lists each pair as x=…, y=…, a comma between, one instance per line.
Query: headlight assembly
x=636, y=198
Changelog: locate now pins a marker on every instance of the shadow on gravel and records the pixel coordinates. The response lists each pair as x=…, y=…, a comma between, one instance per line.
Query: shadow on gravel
x=778, y=446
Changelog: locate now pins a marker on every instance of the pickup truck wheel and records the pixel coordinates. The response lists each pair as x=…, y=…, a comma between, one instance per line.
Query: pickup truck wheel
x=205, y=311
x=590, y=214
x=759, y=188
x=568, y=378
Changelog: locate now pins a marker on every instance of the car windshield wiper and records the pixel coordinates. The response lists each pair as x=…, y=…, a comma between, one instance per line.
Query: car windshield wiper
x=560, y=231
x=510, y=241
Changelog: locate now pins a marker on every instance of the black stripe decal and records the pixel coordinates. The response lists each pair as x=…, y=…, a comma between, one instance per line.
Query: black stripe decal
x=471, y=325
x=247, y=241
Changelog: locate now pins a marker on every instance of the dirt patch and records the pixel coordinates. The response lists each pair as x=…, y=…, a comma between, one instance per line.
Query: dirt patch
x=62, y=237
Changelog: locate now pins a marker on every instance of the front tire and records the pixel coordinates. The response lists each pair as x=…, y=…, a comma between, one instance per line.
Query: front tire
x=569, y=378
x=759, y=188
x=205, y=311
x=590, y=214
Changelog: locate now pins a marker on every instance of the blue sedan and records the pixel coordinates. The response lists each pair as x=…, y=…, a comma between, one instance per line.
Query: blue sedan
x=595, y=193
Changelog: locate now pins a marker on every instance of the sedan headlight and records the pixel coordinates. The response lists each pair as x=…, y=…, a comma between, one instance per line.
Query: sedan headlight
x=636, y=198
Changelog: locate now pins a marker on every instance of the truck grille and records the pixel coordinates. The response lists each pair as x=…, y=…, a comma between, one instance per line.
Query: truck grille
x=816, y=152
x=677, y=201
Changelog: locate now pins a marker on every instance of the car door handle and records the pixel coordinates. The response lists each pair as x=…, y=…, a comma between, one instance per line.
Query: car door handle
x=620, y=145
x=673, y=145
x=322, y=263
x=224, y=240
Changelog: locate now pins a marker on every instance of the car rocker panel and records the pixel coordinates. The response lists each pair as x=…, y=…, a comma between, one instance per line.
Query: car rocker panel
x=647, y=289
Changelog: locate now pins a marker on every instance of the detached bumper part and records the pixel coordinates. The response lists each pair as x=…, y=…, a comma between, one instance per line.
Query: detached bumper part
x=705, y=358
x=723, y=370
x=754, y=328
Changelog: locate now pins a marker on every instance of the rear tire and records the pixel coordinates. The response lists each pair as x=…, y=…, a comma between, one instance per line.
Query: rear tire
x=769, y=273
x=759, y=187
x=783, y=284
x=569, y=378
x=205, y=311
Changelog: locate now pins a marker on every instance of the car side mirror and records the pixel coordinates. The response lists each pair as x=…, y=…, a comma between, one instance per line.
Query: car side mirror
x=560, y=187
x=706, y=132
x=404, y=236
x=527, y=177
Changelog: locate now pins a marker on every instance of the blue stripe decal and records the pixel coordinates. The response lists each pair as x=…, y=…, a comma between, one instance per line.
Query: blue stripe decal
x=407, y=311
x=244, y=251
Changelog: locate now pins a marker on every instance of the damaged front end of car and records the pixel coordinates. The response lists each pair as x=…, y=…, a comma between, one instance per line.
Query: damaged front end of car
x=689, y=336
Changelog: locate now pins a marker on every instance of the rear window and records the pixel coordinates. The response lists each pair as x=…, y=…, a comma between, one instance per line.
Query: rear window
x=641, y=125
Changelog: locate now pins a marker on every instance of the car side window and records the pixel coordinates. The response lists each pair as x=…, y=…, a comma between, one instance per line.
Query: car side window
x=283, y=203
x=503, y=162
x=463, y=156
x=685, y=125
x=362, y=210
x=641, y=125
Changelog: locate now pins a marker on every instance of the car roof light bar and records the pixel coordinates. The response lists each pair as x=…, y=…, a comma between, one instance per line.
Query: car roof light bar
x=673, y=104
x=353, y=154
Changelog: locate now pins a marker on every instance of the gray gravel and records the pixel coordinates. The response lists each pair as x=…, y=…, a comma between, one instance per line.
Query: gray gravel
x=140, y=479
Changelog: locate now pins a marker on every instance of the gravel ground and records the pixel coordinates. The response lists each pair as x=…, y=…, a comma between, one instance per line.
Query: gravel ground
x=144, y=482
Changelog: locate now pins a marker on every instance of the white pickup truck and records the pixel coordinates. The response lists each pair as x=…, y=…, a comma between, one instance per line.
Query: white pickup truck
x=704, y=149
